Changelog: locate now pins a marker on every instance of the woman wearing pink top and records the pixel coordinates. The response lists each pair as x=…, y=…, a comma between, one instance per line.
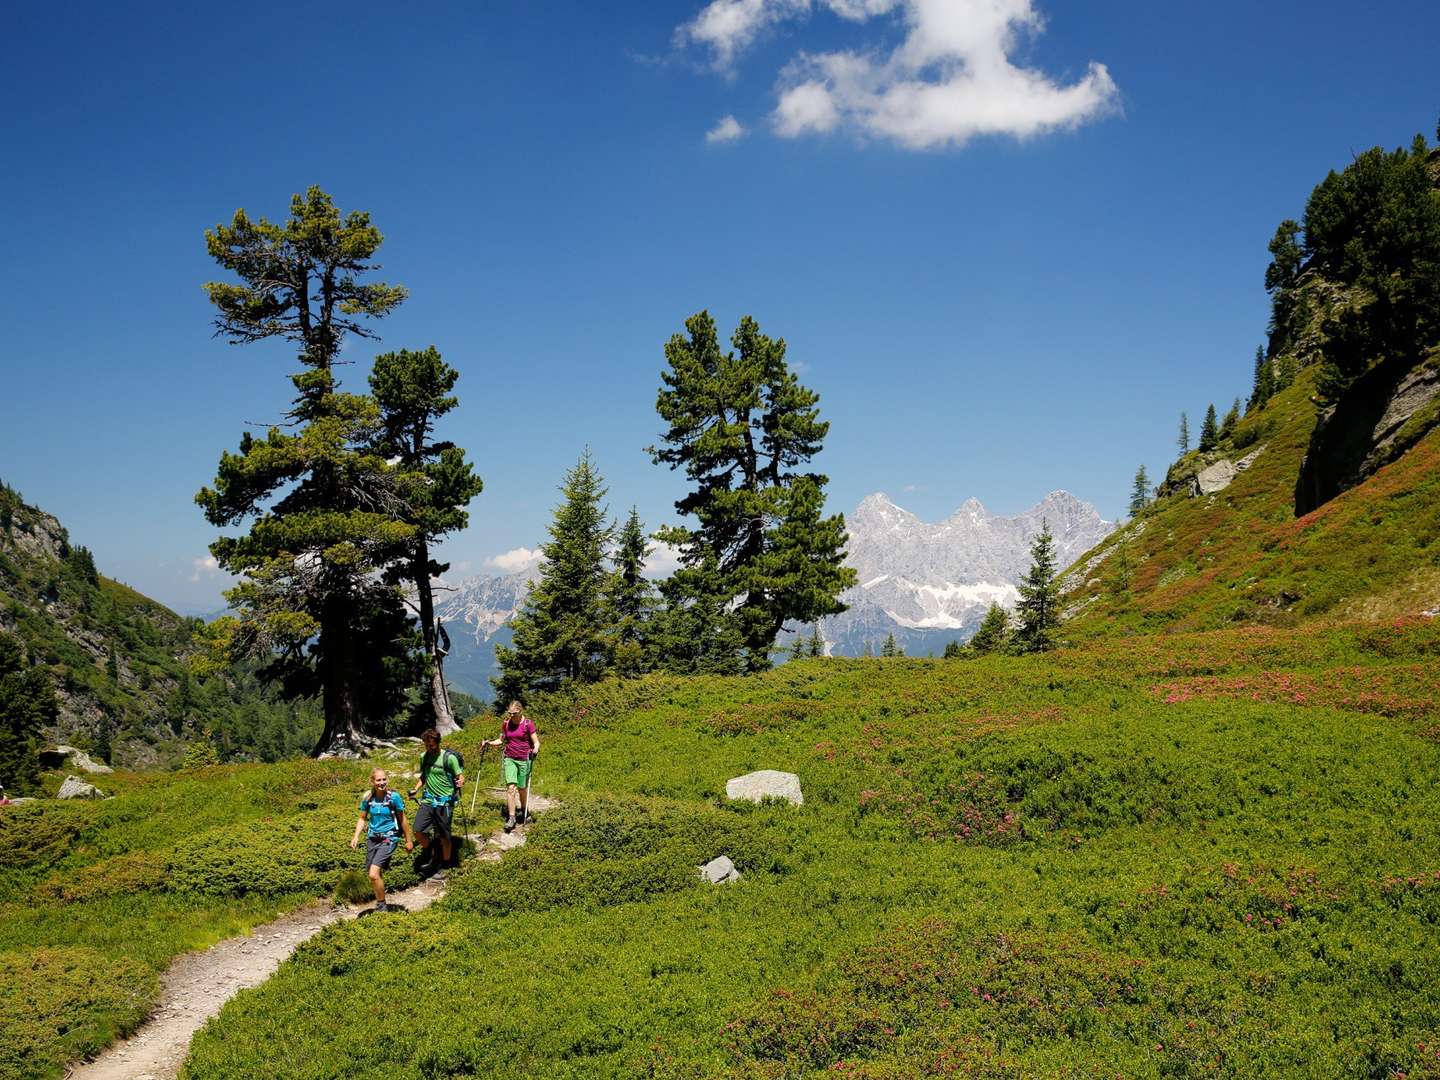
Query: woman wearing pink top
x=521, y=742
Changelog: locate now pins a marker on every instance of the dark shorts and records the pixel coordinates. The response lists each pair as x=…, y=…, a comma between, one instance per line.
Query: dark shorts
x=434, y=819
x=379, y=850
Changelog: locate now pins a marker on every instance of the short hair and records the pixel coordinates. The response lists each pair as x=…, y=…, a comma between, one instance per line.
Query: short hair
x=431, y=733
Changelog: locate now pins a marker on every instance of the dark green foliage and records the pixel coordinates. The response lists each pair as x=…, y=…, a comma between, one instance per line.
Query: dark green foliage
x=1230, y=421
x=741, y=425
x=27, y=704
x=560, y=634
x=1182, y=440
x=1263, y=388
x=1209, y=431
x=327, y=512
x=1139, y=491
x=953, y=650
x=413, y=392
x=630, y=599
x=693, y=630
x=890, y=649
x=1038, y=612
x=994, y=632
x=1281, y=278
x=1375, y=228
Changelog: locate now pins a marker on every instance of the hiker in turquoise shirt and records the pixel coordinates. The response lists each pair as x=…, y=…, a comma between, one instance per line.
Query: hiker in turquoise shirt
x=384, y=810
x=441, y=776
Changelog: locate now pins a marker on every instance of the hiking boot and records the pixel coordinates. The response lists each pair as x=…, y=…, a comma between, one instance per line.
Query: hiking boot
x=382, y=906
x=509, y=824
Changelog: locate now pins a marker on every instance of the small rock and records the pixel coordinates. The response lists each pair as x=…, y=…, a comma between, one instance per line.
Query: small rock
x=75, y=788
x=765, y=784
x=719, y=870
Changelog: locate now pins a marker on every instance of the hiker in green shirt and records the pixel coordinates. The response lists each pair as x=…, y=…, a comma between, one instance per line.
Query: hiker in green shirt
x=441, y=778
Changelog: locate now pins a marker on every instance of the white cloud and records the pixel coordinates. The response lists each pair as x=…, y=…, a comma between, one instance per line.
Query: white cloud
x=664, y=560
x=508, y=562
x=951, y=79
x=727, y=130
x=204, y=567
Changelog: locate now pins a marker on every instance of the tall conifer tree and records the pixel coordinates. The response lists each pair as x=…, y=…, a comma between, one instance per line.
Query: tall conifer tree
x=1183, y=439
x=27, y=705
x=1209, y=431
x=630, y=598
x=413, y=391
x=994, y=632
x=741, y=426
x=325, y=507
x=1038, y=613
x=560, y=633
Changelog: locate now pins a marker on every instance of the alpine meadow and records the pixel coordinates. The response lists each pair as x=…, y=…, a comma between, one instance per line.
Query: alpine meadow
x=687, y=802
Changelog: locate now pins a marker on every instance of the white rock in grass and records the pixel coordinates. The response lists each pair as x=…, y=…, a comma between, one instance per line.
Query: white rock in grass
x=765, y=784
x=75, y=788
x=719, y=870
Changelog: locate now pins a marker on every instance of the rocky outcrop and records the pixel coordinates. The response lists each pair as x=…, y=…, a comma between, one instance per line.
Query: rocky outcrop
x=68, y=756
x=1218, y=477
x=1385, y=413
x=765, y=784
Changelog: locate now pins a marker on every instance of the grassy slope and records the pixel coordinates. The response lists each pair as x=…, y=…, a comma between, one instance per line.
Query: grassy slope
x=96, y=898
x=1206, y=854
x=1241, y=556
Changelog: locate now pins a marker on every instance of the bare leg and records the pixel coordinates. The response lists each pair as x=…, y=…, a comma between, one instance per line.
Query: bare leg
x=510, y=798
x=377, y=883
x=445, y=848
x=525, y=803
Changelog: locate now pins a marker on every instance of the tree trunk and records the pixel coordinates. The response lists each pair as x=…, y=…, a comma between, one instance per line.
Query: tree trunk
x=439, y=696
x=338, y=667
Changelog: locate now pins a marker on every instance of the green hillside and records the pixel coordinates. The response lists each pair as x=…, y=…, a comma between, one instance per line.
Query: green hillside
x=1201, y=854
x=119, y=661
x=1241, y=556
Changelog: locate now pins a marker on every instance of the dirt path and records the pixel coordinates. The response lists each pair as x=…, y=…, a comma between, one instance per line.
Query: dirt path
x=198, y=984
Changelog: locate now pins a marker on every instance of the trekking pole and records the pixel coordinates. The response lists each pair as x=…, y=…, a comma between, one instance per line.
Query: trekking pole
x=476, y=793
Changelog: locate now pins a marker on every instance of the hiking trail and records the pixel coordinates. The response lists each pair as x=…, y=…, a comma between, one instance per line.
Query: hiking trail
x=198, y=984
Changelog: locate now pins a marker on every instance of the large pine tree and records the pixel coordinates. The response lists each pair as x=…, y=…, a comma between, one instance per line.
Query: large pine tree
x=413, y=391
x=560, y=633
x=1209, y=431
x=994, y=632
x=1139, y=491
x=27, y=704
x=325, y=508
x=741, y=426
x=1038, y=612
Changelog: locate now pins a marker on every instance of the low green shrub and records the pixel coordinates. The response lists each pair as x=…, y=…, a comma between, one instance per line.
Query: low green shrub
x=597, y=851
x=42, y=832
x=301, y=853
x=137, y=871
x=352, y=887
x=73, y=1002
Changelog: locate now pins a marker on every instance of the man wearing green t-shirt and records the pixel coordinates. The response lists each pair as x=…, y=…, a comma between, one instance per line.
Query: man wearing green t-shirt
x=441, y=778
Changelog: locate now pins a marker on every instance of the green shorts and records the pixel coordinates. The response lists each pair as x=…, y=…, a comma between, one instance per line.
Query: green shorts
x=515, y=772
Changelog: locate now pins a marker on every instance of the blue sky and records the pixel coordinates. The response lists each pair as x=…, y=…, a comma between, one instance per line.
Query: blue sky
x=1005, y=269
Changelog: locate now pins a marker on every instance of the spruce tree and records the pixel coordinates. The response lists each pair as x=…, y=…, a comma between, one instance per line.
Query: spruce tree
x=817, y=642
x=1038, y=612
x=629, y=598
x=560, y=634
x=693, y=631
x=953, y=650
x=1209, y=431
x=742, y=427
x=413, y=391
x=1183, y=441
x=1230, y=421
x=1264, y=385
x=994, y=632
x=1139, y=491
x=1281, y=279
x=890, y=649
x=324, y=506
x=27, y=705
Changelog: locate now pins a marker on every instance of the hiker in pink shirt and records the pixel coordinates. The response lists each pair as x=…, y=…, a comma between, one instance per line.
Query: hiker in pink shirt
x=522, y=743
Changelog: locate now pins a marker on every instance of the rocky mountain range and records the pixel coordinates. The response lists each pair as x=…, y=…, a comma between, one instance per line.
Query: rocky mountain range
x=927, y=583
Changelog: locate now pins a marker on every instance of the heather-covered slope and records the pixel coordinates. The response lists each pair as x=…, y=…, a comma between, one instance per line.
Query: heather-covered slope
x=1241, y=555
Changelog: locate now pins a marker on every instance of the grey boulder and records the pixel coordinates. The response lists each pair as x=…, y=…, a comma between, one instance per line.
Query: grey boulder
x=75, y=788
x=765, y=784
x=719, y=870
